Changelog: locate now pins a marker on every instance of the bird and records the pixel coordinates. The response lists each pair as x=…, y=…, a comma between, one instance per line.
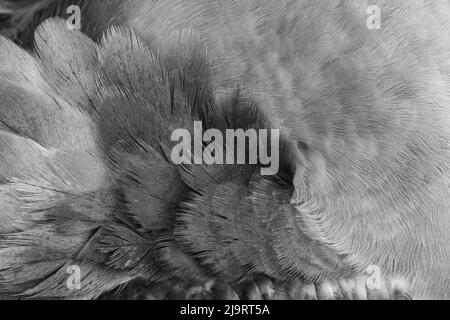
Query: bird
x=88, y=181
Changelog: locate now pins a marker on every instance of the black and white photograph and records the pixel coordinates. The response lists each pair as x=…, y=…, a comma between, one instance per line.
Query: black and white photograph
x=242, y=151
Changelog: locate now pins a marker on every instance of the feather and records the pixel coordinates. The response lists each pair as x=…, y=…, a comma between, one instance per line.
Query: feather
x=364, y=155
x=27, y=100
x=70, y=63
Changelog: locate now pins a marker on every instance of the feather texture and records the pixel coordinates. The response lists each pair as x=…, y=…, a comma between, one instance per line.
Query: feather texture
x=364, y=170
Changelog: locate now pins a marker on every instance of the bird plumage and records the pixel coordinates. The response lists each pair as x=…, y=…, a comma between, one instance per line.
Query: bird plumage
x=108, y=198
x=364, y=175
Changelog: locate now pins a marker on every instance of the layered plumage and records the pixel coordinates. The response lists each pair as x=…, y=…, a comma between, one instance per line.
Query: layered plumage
x=88, y=180
x=365, y=169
